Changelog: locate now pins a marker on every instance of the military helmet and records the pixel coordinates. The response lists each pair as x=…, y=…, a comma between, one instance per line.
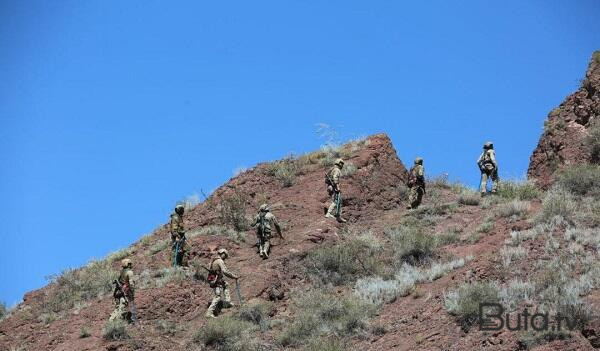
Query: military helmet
x=418, y=161
x=125, y=263
x=223, y=252
x=264, y=208
x=339, y=162
x=179, y=209
x=488, y=145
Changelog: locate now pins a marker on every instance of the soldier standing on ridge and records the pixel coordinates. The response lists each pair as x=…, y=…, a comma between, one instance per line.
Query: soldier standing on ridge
x=489, y=168
x=332, y=179
x=178, y=244
x=416, y=183
x=217, y=271
x=264, y=222
x=124, y=294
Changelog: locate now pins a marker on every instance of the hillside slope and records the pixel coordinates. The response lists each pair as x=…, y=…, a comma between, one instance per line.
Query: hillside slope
x=567, y=130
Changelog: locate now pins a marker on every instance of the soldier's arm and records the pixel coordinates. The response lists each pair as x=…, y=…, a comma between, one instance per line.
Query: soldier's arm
x=255, y=222
x=336, y=178
x=131, y=278
x=493, y=158
x=226, y=272
x=421, y=173
x=277, y=227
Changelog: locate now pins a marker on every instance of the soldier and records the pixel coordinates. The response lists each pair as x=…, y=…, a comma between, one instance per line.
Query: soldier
x=489, y=168
x=264, y=222
x=124, y=294
x=216, y=278
x=178, y=244
x=332, y=179
x=416, y=183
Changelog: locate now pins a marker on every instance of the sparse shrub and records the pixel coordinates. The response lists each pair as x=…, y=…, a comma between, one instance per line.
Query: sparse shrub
x=321, y=313
x=326, y=344
x=158, y=246
x=451, y=236
x=3, y=309
x=586, y=237
x=516, y=237
x=411, y=244
x=344, y=262
x=47, y=317
x=257, y=313
x=522, y=190
x=581, y=180
x=510, y=254
x=119, y=255
x=514, y=209
x=438, y=270
x=464, y=302
x=163, y=276
x=469, y=198
x=485, y=227
x=225, y=333
x=516, y=293
x=84, y=332
x=557, y=202
x=284, y=171
x=217, y=230
x=530, y=338
x=232, y=210
x=348, y=169
x=592, y=141
x=115, y=330
x=77, y=285
x=588, y=214
x=473, y=238
x=166, y=327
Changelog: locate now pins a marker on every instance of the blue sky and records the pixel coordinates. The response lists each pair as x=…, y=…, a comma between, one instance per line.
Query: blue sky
x=111, y=111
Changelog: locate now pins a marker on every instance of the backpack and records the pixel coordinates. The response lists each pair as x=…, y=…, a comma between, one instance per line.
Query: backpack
x=212, y=276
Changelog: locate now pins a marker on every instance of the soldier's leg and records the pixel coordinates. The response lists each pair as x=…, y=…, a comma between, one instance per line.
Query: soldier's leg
x=210, y=312
x=418, y=197
x=331, y=210
x=266, y=248
x=227, y=297
x=483, y=183
x=412, y=192
x=495, y=181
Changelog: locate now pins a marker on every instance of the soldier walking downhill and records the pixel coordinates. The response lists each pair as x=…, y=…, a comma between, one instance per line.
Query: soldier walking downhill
x=489, y=168
x=124, y=294
x=332, y=179
x=178, y=243
x=416, y=183
x=217, y=271
x=264, y=223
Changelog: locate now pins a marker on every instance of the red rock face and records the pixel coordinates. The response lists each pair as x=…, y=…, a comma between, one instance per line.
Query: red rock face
x=562, y=143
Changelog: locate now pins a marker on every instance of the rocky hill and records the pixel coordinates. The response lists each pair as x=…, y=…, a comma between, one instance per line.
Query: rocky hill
x=389, y=279
x=571, y=132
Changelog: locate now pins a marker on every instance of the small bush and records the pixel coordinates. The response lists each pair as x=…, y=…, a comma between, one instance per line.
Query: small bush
x=322, y=313
x=592, y=142
x=344, y=262
x=3, y=310
x=223, y=334
x=485, y=227
x=348, y=169
x=84, y=332
x=119, y=255
x=558, y=202
x=158, y=246
x=115, y=330
x=530, y=338
x=464, y=302
x=518, y=190
x=581, y=180
x=257, y=313
x=473, y=238
x=411, y=244
x=452, y=236
x=516, y=293
x=78, y=285
x=326, y=344
x=232, y=210
x=470, y=198
x=510, y=254
x=514, y=209
x=284, y=171
x=163, y=276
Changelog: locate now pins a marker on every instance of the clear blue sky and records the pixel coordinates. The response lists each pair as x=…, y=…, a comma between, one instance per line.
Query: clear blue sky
x=111, y=111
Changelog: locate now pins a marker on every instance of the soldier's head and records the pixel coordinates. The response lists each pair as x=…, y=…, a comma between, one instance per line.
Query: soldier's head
x=264, y=208
x=488, y=145
x=179, y=209
x=418, y=161
x=223, y=253
x=339, y=162
x=126, y=263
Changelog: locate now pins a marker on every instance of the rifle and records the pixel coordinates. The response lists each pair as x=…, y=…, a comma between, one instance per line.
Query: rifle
x=131, y=303
x=338, y=203
x=330, y=182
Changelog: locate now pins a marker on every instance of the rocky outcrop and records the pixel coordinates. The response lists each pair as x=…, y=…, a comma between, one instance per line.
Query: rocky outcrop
x=566, y=129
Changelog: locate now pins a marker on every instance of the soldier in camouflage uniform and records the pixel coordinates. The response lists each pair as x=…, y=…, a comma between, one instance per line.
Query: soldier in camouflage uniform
x=264, y=222
x=489, y=168
x=124, y=294
x=416, y=183
x=332, y=179
x=217, y=271
x=178, y=242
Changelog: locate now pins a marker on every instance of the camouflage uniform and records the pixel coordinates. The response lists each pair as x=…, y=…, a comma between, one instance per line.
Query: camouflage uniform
x=125, y=295
x=489, y=168
x=416, y=183
x=178, y=241
x=217, y=273
x=333, y=189
x=265, y=221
